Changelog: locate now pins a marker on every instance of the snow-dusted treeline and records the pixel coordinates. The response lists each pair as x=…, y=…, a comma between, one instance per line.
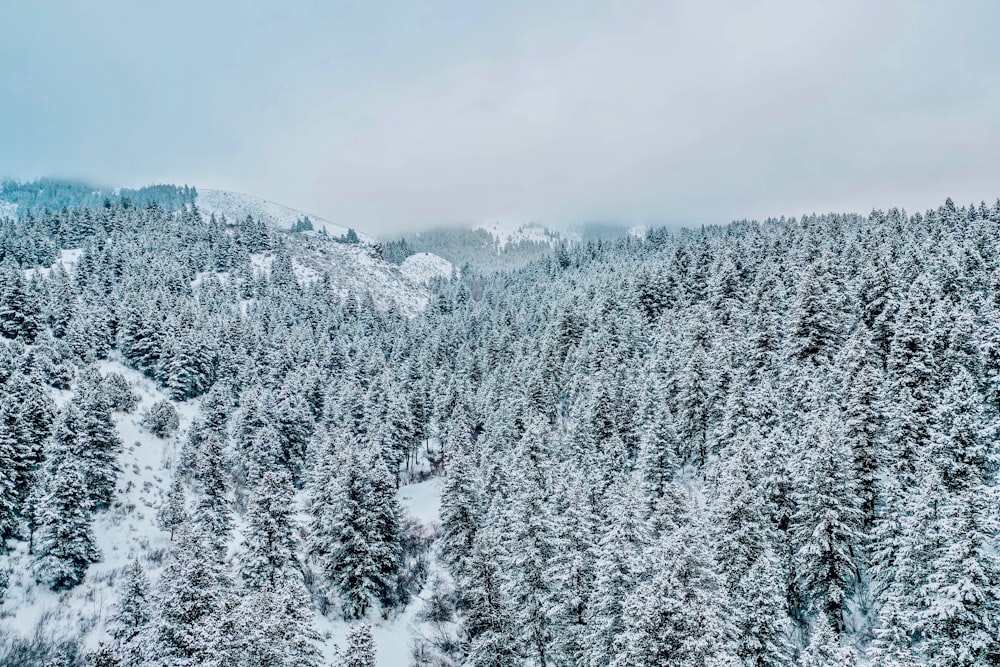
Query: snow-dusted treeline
x=762, y=444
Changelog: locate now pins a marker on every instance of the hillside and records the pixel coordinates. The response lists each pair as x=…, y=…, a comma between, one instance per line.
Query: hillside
x=767, y=443
x=236, y=206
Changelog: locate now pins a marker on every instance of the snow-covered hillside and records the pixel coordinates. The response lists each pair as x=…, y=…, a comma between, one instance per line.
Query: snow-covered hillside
x=422, y=267
x=128, y=531
x=236, y=205
x=355, y=268
x=508, y=233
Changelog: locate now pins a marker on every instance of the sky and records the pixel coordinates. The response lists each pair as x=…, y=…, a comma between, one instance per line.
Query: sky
x=401, y=114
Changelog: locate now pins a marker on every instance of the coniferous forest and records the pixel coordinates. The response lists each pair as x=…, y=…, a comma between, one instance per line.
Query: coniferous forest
x=762, y=444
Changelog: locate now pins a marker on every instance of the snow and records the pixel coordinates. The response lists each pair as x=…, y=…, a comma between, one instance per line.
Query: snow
x=128, y=530
x=507, y=233
x=422, y=267
x=353, y=268
x=236, y=206
x=68, y=257
x=8, y=210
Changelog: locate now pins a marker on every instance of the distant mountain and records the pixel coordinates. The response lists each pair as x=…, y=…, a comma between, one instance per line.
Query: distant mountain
x=236, y=205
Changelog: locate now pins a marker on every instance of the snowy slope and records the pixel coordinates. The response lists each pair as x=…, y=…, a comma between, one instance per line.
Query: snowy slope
x=421, y=267
x=128, y=530
x=235, y=206
x=508, y=233
x=7, y=210
x=354, y=268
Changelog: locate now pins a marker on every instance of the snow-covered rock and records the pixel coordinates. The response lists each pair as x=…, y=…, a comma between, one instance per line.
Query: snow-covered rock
x=421, y=267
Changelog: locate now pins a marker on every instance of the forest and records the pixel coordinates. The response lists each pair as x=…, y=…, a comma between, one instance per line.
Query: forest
x=760, y=444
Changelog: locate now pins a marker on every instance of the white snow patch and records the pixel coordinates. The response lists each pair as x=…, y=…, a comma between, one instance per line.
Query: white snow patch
x=424, y=266
x=68, y=257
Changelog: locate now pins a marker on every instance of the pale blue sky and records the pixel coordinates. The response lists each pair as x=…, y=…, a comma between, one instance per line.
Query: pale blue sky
x=386, y=115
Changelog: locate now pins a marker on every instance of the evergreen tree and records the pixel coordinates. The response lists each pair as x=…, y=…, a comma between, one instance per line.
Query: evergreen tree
x=130, y=621
x=676, y=616
x=173, y=511
x=212, y=510
x=269, y=547
x=824, y=648
x=66, y=544
x=360, y=649
x=192, y=596
x=827, y=522
x=355, y=529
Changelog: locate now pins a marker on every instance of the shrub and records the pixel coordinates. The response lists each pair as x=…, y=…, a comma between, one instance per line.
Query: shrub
x=120, y=393
x=161, y=419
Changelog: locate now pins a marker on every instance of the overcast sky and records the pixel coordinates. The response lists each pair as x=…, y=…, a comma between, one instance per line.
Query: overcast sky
x=397, y=115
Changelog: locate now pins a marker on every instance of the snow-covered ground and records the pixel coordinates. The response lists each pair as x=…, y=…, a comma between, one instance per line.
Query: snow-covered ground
x=128, y=530
x=68, y=257
x=125, y=531
x=236, y=205
x=421, y=267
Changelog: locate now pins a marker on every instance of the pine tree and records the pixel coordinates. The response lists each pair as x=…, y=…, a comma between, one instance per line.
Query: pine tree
x=191, y=595
x=571, y=569
x=531, y=546
x=747, y=555
x=212, y=509
x=355, y=529
x=173, y=511
x=676, y=615
x=824, y=648
x=130, y=621
x=487, y=625
x=460, y=511
x=617, y=569
x=360, y=649
x=10, y=503
x=19, y=316
x=269, y=547
x=66, y=544
x=961, y=599
x=98, y=439
x=827, y=522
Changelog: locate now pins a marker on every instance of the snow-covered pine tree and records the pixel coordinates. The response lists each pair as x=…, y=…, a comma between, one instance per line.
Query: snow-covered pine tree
x=192, y=596
x=354, y=535
x=130, y=620
x=827, y=521
x=65, y=544
x=360, y=649
x=173, y=511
